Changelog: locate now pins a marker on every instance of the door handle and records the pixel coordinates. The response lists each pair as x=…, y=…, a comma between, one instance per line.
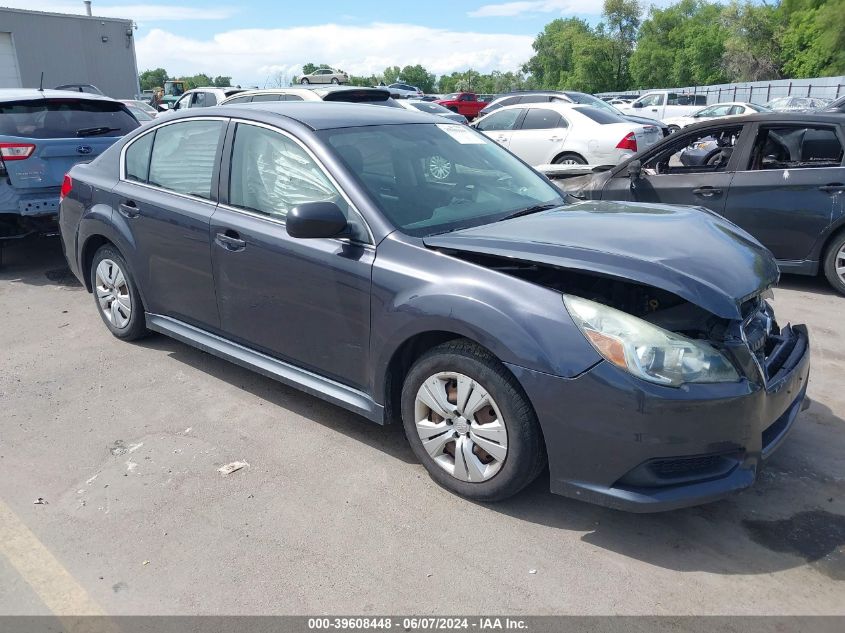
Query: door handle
x=834, y=187
x=230, y=240
x=128, y=209
x=554, y=138
x=707, y=192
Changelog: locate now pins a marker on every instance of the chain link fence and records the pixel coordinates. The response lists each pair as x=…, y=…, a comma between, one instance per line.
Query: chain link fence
x=759, y=91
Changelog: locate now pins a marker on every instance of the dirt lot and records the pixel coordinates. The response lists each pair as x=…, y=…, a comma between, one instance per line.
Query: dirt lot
x=123, y=441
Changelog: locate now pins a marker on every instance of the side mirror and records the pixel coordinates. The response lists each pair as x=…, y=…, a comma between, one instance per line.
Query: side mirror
x=635, y=170
x=316, y=219
x=637, y=104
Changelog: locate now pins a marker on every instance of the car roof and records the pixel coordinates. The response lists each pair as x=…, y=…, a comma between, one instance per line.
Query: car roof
x=322, y=115
x=28, y=94
x=828, y=118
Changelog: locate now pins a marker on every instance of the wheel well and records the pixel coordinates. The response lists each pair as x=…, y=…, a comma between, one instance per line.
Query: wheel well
x=92, y=245
x=834, y=235
x=562, y=154
x=401, y=361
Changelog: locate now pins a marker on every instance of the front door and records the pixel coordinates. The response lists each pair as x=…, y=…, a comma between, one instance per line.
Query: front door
x=306, y=301
x=499, y=125
x=789, y=188
x=164, y=198
x=693, y=170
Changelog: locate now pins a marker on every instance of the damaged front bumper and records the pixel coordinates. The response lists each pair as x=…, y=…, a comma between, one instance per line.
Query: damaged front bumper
x=621, y=442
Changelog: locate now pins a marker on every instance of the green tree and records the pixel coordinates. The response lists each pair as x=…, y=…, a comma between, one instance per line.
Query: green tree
x=419, y=77
x=391, y=74
x=150, y=79
x=310, y=67
x=680, y=45
x=622, y=23
x=753, y=46
x=221, y=81
x=195, y=81
x=813, y=37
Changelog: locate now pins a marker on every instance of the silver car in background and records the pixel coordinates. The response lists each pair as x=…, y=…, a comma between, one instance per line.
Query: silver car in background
x=324, y=76
x=432, y=108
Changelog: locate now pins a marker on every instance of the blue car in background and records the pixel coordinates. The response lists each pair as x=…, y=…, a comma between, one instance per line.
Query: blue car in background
x=43, y=133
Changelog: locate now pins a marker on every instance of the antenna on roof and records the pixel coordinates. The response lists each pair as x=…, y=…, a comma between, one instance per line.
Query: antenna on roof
x=41, y=85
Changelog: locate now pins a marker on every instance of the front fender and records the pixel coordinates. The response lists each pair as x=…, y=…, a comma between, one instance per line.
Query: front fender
x=417, y=290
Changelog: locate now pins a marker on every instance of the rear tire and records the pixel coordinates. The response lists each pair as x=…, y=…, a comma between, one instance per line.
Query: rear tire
x=569, y=158
x=673, y=129
x=490, y=447
x=834, y=262
x=116, y=295
x=335, y=81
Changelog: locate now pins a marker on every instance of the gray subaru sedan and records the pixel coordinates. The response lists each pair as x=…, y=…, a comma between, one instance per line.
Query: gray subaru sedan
x=411, y=270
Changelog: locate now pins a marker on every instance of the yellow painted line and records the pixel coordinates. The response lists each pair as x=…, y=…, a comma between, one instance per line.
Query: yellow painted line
x=42, y=571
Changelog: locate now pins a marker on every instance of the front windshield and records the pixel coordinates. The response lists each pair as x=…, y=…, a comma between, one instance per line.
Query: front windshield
x=451, y=96
x=434, y=178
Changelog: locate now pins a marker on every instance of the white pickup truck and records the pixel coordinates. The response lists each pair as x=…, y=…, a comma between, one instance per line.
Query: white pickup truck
x=662, y=104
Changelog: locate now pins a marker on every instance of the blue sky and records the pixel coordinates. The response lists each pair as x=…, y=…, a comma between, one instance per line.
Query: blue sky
x=259, y=41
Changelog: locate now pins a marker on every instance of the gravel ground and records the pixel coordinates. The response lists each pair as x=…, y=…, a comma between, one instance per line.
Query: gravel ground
x=333, y=514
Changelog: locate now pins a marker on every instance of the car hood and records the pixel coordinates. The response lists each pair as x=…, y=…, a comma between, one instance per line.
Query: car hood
x=689, y=251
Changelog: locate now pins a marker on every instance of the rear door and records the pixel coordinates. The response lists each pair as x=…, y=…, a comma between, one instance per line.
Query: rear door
x=539, y=137
x=693, y=169
x=789, y=187
x=165, y=199
x=41, y=139
x=500, y=125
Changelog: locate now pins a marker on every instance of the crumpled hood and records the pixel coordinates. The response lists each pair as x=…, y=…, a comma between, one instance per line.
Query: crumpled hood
x=689, y=251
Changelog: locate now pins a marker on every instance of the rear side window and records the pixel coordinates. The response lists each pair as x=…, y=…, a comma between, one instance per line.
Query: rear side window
x=292, y=98
x=791, y=147
x=268, y=97
x=184, y=155
x=541, y=119
x=138, y=158
x=65, y=118
x=602, y=117
x=245, y=99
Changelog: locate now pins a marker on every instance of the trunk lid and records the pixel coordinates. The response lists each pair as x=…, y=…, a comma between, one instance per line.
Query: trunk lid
x=688, y=251
x=51, y=159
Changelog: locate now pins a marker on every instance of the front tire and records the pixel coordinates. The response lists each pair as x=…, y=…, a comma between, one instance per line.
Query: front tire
x=304, y=81
x=470, y=423
x=673, y=129
x=834, y=262
x=116, y=295
x=335, y=81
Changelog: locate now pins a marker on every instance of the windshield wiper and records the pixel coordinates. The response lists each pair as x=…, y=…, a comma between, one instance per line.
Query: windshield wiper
x=535, y=209
x=96, y=131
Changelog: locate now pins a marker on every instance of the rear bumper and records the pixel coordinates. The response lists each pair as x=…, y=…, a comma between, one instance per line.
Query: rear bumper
x=29, y=203
x=618, y=441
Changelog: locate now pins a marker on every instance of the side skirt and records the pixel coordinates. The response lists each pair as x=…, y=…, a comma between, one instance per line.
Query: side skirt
x=309, y=382
x=803, y=267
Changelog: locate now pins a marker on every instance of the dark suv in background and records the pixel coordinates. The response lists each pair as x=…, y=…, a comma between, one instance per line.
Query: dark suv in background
x=43, y=133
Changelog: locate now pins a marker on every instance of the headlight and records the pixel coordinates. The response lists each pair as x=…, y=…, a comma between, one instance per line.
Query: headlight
x=645, y=350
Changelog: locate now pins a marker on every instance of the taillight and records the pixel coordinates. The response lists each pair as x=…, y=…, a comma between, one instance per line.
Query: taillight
x=629, y=142
x=16, y=151
x=67, y=186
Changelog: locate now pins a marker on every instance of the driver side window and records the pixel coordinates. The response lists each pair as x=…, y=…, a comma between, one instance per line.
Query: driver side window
x=502, y=120
x=707, y=151
x=652, y=100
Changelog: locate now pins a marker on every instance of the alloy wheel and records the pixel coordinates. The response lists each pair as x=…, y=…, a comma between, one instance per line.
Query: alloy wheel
x=113, y=293
x=461, y=426
x=439, y=167
x=839, y=263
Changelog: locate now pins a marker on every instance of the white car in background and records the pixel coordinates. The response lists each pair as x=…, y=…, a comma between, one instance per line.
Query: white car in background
x=401, y=89
x=432, y=108
x=561, y=133
x=730, y=108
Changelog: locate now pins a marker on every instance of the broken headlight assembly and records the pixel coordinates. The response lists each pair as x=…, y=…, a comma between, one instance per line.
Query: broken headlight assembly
x=645, y=350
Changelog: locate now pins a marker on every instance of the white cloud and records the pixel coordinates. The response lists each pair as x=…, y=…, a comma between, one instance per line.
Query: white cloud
x=511, y=9
x=251, y=55
x=138, y=12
